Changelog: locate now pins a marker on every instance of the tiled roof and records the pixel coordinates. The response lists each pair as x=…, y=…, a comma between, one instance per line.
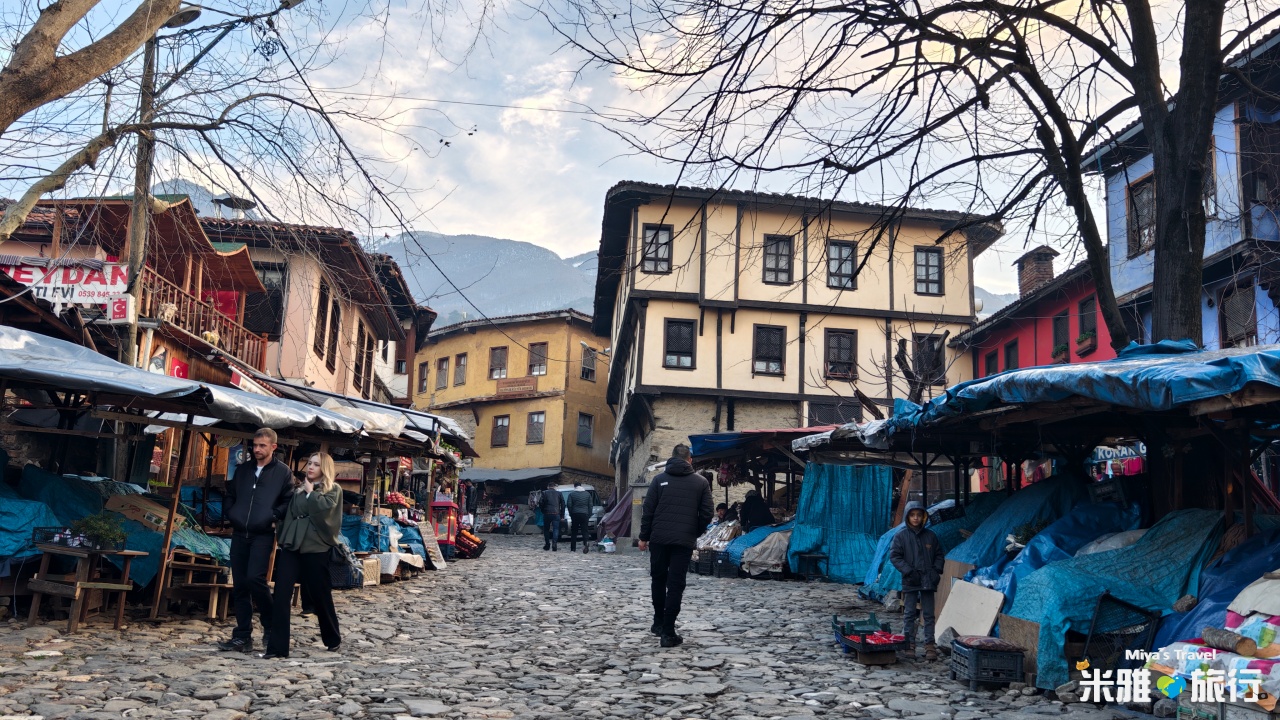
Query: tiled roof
x=505, y=319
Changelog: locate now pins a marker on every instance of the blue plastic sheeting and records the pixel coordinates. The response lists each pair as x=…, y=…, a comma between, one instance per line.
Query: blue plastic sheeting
x=1219, y=585
x=882, y=577
x=1060, y=541
x=193, y=497
x=976, y=512
x=1048, y=499
x=375, y=537
x=69, y=499
x=742, y=543
x=843, y=510
x=18, y=517
x=1152, y=573
x=1156, y=377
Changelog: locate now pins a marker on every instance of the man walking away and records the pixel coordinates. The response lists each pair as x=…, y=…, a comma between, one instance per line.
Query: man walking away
x=552, y=508
x=676, y=510
x=917, y=554
x=579, y=517
x=256, y=497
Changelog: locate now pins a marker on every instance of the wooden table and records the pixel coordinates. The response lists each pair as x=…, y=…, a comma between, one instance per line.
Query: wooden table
x=88, y=577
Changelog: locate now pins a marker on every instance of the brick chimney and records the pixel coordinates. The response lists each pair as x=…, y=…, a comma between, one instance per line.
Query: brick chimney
x=1035, y=269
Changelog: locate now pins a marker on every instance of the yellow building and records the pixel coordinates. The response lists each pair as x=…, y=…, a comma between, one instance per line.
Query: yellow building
x=529, y=388
x=735, y=310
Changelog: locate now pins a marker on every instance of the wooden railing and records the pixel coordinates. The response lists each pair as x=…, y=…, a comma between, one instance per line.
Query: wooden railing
x=162, y=299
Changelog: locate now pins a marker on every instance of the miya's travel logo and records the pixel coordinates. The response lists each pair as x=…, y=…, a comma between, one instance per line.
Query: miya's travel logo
x=1207, y=684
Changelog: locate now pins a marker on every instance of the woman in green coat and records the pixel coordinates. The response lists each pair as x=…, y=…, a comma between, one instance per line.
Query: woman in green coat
x=305, y=535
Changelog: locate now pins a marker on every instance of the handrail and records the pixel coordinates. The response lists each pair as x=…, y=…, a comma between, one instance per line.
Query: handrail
x=162, y=299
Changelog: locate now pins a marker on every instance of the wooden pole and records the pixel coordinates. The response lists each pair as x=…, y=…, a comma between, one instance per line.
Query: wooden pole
x=173, y=516
x=211, y=448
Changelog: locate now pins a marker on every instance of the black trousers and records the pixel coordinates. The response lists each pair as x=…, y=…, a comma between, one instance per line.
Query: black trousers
x=579, y=521
x=312, y=571
x=250, y=557
x=668, y=568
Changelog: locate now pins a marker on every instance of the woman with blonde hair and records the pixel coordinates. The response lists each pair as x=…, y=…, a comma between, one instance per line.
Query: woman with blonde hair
x=306, y=533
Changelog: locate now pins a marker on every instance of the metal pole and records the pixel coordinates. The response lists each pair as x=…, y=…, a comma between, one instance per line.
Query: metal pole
x=140, y=215
x=173, y=516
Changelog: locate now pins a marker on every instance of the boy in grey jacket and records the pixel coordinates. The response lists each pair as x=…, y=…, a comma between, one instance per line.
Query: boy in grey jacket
x=917, y=554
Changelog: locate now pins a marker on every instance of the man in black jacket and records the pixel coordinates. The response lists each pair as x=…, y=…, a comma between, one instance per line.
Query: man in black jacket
x=579, y=517
x=677, y=509
x=256, y=497
x=552, y=508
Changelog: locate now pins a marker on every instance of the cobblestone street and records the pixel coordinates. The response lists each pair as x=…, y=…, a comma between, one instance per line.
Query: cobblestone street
x=519, y=633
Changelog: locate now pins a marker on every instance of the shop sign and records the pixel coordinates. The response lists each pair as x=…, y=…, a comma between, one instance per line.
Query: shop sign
x=69, y=285
x=1119, y=452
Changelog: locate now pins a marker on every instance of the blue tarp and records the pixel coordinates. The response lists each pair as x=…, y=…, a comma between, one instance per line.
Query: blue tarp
x=883, y=577
x=1219, y=585
x=193, y=497
x=843, y=509
x=742, y=543
x=1048, y=499
x=1153, y=573
x=376, y=537
x=18, y=517
x=1159, y=376
x=1058, y=541
x=70, y=499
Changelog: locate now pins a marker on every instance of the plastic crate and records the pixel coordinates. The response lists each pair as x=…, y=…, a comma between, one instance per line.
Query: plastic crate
x=841, y=629
x=985, y=665
x=725, y=568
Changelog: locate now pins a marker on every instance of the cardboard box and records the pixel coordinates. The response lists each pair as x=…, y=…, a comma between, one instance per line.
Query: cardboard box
x=148, y=512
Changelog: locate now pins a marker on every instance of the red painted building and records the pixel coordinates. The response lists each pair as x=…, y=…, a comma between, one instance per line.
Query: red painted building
x=1054, y=320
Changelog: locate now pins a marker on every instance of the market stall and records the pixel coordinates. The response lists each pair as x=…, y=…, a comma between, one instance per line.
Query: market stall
x=1202, y=419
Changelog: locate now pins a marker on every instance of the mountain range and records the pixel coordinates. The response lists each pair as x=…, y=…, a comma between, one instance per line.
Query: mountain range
x=498, y=276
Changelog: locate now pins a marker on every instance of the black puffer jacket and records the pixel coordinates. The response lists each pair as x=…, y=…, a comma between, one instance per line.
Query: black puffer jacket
x=677, y=507
x=579, y=502
x=254, y=502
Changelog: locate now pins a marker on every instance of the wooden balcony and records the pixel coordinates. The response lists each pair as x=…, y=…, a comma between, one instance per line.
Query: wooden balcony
x=161, y=299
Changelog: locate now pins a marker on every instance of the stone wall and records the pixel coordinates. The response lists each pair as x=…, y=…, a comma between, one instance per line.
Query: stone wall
x=603, y=486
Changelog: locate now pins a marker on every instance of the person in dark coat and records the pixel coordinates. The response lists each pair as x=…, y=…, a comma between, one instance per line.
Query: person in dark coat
x=755, y=512
x=579, y=517
x=677, y=508
x=917, y=554
x=256, y=498
x=552, y=508
x=308, y=530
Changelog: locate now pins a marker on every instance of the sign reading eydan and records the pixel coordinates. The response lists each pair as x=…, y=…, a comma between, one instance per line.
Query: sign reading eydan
x=73, y=284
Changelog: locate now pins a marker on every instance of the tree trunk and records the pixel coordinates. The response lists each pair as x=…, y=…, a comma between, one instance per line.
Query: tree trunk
x=1179, y=138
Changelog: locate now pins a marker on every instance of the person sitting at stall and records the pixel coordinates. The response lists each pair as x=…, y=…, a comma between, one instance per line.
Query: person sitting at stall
x=755, y=512
x=721, y=516
x=307, y=533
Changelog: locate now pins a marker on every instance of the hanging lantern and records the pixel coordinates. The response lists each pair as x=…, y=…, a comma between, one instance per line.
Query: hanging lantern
x=444, y=517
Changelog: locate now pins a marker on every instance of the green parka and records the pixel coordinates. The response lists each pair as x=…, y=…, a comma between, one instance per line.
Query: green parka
x=311, y=523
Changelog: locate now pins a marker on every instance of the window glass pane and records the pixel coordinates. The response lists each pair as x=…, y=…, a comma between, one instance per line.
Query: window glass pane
x=537, y=424
x=538, y=359
x=1060, y=331
x=841, y=261
x=777, y=259
x=442, y=373
x=1089, y=316
x=588, y=364
x=1142, y=221
x=929, y=271
x=993, y=363
x=840, y=354
x=497, y=363
x=322, y=320
x=422, y=376
x=1011, y=356
x=679, y=344
x=586, y=425
x=770, y=342
x=501, y=430
x=264, y=312
x=460, y=370
x=656, y=253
